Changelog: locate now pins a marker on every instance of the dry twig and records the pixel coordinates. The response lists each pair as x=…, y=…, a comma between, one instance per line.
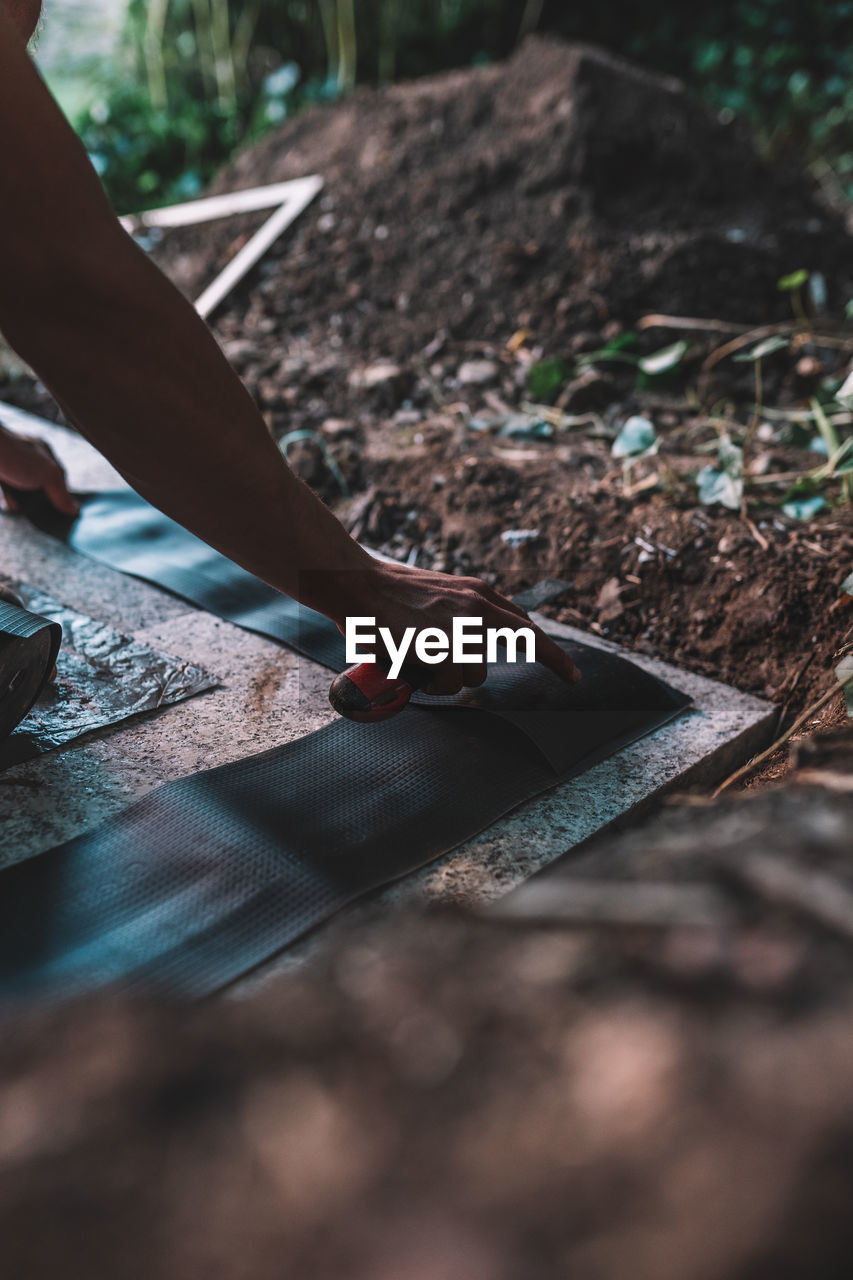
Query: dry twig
x=780, y=741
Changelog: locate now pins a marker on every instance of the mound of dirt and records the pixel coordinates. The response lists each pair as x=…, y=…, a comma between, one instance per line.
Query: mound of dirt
x=565, y=192
x=553, y=192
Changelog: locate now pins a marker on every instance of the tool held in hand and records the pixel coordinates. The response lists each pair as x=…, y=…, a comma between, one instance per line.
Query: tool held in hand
x=28, y=648
x=366, y=693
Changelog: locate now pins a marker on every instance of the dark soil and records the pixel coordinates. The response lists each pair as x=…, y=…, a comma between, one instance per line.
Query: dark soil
x=565, y=193
x=546, y=204
x=557, y=191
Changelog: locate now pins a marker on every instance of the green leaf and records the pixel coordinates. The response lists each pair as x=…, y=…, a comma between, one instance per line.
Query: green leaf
x=844, y=674
x=762, y=349
x=846, y=588
x=844, y=394
x=719, y=487
x=636, y=438
x=723, y=484
x=621, y=342
x=795, y=280
x=666, y=359
x=611, y=354
x=518, y=426
x=730, y=458
x=546, y=378
x=804, y=508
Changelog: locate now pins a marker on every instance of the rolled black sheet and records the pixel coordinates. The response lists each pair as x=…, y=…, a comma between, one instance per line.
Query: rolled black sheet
x=207, y=877
x=29, y=645
x=102, y=678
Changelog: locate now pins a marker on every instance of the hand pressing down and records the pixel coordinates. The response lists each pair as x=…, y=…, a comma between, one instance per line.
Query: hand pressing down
x=399, y=598
x=29, y=464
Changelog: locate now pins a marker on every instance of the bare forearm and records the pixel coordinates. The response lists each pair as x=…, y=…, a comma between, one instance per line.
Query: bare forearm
x=136, y=369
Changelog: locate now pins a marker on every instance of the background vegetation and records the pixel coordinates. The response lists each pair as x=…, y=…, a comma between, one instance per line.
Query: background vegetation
x=193, y=79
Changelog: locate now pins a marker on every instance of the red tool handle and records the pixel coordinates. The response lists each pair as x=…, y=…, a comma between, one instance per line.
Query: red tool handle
x=368, y=694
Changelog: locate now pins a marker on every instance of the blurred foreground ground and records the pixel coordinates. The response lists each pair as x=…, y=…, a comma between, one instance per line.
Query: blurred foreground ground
x=449, y=1096
x=445, y=1096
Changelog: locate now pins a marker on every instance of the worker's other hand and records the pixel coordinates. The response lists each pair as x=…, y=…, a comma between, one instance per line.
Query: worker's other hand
x=400, y=597
x=29, y=464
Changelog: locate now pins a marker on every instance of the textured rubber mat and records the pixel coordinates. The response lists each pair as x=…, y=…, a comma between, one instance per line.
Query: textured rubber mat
x=208, y=876
x=122, y=530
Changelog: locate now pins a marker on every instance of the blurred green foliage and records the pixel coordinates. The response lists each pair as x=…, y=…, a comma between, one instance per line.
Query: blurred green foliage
x=209, y=75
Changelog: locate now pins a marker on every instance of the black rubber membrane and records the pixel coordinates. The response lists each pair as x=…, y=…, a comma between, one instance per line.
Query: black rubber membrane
x=28, y=648
x=207, y=877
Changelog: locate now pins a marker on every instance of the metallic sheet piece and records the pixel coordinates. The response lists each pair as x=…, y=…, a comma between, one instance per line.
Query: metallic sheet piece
x=103, y=677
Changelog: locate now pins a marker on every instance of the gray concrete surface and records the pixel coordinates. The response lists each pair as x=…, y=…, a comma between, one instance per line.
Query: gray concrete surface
x=270, y=696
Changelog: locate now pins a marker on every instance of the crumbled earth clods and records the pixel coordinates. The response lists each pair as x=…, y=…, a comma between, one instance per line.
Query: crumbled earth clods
x=546, y=203
x=557, y=191
x=565, y=193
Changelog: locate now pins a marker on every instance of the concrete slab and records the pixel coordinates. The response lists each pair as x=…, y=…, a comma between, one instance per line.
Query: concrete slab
x=270, y=696
x=724, y=729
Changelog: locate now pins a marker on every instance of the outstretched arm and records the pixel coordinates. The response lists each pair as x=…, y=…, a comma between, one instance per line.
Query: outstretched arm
x=142, y=378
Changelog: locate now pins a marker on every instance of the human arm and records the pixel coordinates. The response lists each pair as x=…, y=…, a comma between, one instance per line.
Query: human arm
x=142, y=378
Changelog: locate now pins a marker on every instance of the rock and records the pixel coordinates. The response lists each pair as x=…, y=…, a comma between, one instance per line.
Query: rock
x=519, y=537
x=477, y=373
x=380, y=374
x=592, y=390
x=338, y=429
x=609, y=602
x=407, y=417
x=808, y=368
x=586, y=340
x=387, y=383
x=239, y=350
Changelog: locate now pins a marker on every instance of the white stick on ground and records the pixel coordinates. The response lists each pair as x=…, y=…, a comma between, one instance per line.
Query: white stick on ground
x=300, y=197
x=291, y=197
x=192, y=212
